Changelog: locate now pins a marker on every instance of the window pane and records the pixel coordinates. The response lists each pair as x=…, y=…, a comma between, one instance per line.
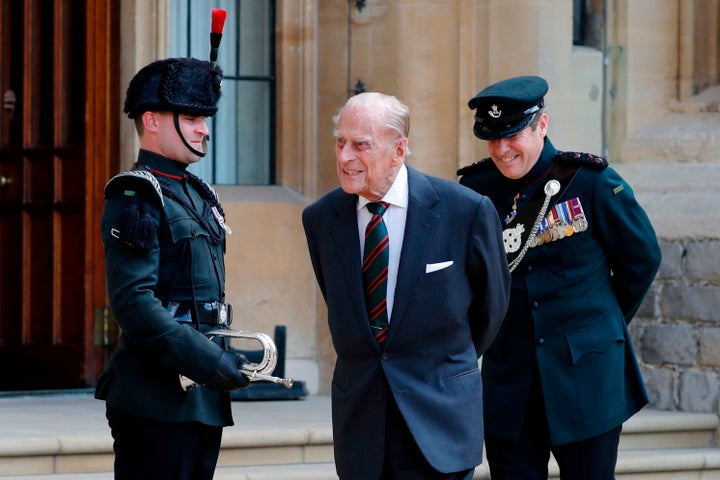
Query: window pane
x=242, y=132
x=256, y=58
x=578, y=22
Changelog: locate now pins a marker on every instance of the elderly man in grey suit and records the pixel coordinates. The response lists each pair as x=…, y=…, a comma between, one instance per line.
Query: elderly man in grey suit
x=413, y=271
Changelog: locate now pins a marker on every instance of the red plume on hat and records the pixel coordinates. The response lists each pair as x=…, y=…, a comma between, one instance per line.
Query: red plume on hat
x=218, y=22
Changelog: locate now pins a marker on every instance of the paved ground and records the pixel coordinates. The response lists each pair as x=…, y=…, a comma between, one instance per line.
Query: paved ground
x=45, y=418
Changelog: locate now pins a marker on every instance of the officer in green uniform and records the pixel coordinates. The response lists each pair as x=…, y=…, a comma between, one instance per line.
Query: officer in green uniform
x=164, y=234
x=561, y=375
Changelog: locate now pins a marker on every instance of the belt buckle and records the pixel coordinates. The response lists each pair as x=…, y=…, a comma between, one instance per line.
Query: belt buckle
x=222, y=313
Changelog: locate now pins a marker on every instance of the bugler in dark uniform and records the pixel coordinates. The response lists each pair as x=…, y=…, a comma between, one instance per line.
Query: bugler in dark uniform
x=164, y=234
x=562, y=373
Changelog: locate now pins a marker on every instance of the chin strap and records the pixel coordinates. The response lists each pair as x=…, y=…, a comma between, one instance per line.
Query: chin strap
x=176, y=119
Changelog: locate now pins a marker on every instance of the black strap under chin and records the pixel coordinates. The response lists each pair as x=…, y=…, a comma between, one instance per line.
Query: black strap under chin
x=176, y=119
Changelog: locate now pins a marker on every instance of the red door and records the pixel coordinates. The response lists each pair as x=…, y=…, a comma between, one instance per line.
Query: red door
x=57, y=137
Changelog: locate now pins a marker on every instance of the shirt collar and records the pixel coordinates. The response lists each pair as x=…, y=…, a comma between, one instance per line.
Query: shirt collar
x=397, y=195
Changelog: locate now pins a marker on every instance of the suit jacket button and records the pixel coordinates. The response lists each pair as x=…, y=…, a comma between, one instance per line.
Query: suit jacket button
x=540, y=341
x=385, y=356
x=535, y=304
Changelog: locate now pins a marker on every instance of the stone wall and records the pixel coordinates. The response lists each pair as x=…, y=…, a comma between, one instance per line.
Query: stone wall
x=677, y=330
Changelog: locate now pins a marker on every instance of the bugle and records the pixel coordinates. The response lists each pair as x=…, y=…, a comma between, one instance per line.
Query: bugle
x=254, y=371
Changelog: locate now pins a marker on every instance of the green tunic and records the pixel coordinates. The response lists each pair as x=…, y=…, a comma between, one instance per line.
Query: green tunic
x=572, y=299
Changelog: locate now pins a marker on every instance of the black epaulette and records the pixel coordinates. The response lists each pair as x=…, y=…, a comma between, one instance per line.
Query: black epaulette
x=140, y=183
x=135, y=227
x=478, y=166
x=582, y=159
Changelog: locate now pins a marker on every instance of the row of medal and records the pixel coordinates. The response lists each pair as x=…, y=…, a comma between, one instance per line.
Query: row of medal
x=563, y=220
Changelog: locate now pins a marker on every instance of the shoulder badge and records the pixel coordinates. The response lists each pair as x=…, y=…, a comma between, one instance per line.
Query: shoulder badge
x=476, y=167
x=582, y=159
x=128, y=184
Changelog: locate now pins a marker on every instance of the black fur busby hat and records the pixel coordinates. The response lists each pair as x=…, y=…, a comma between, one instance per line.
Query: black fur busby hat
x=179, y=85
x=504, y=108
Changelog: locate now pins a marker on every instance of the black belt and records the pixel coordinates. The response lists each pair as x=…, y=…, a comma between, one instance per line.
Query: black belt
x=210, y=313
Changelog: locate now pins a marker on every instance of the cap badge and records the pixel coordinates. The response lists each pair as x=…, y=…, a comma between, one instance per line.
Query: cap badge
x=494, y=112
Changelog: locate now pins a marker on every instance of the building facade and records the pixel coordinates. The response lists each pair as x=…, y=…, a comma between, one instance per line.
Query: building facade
x=616, y=68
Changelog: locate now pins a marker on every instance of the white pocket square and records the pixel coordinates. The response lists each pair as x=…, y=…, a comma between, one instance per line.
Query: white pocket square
x=434, y=267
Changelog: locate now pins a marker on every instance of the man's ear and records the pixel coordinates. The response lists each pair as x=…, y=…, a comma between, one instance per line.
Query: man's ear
x=150, y=121
x=543, y=124
x=400, y=149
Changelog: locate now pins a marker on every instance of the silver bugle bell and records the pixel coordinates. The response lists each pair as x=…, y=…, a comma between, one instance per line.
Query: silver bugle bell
x=254, y=371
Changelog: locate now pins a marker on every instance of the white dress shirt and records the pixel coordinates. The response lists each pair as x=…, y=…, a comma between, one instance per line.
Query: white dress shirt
x=394, y=218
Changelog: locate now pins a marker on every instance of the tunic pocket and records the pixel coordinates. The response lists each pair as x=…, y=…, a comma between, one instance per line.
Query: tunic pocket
x=597, y=355
x=203, y=259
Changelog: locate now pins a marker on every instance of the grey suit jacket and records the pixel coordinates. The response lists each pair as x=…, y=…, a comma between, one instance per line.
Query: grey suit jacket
x=442, y=321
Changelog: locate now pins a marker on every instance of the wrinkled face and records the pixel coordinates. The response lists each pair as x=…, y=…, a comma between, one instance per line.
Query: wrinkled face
x=515, y=156
x=169, y=143
x=369, y=154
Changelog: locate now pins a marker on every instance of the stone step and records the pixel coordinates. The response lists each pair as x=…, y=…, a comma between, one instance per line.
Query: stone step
x=663, y=464
x=707, y=101
x=656, y=429
x=680, y=198
x=676, y=137
x=320, y=471
x=689, y=132
x=689, y=464
x=58, y=438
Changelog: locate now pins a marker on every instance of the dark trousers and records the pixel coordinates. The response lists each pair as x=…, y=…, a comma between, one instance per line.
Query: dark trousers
x=146, y=449
x=527, y=459
x=403, y=458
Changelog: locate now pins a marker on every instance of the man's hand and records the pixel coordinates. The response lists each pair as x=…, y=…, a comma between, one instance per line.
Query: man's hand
x=227, y=376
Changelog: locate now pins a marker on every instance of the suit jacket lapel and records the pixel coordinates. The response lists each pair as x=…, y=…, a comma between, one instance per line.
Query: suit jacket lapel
x=421, y=220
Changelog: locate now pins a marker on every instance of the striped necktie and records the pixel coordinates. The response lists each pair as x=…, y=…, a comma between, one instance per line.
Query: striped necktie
x=376, y=256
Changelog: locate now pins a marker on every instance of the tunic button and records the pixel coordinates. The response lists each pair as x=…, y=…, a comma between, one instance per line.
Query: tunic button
x=529, y=269
x=540, y=341
x=535, y=304
x=385, y=356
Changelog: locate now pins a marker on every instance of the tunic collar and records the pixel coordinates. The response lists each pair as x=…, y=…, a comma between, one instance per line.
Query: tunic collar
x=161, y=165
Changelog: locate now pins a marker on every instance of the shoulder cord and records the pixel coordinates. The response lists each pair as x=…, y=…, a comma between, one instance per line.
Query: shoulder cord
x=549, y=194
x=210, y=194
x=541, y=214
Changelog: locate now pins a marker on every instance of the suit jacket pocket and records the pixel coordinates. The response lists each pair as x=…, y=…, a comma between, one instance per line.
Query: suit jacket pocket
x=439, y=276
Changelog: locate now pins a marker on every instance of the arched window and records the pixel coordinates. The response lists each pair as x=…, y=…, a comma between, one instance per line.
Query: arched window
x=242, y=148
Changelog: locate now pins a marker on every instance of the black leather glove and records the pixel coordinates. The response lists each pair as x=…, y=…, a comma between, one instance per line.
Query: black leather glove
x=227, y=376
